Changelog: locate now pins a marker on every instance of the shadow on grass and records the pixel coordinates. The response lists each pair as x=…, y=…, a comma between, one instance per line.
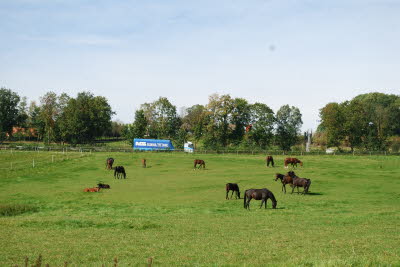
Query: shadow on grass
x=315, y=194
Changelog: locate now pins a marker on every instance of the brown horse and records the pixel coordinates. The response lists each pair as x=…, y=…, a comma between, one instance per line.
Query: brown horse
x=270, y=160
x=200, y=162
x=93, y=189
x=293, y=162
x=301, y=182
x=259, y=194
x=234, y=188
x=109, y=163
x=144, y=163
x=285, y=179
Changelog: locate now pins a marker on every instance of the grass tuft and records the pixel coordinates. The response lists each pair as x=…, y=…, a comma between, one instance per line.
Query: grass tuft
x=16, y=209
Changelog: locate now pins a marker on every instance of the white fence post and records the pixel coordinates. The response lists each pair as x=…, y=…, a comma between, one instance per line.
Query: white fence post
x=33, y=163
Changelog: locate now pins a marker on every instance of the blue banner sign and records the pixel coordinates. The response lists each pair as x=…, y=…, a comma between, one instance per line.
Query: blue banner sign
x=152, y=144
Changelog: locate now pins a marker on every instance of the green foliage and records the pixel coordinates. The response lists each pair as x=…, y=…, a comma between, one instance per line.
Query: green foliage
x=9, y=113
x=365, y=121
x=262, y=120
x=288, y=121
x=85, y=118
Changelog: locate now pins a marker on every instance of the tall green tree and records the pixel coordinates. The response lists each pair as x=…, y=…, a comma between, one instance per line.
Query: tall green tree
x=9, y=112
x=240, y=118
x=195, y=121
x=288, y=123
x=333, y=120
x=262, y=120
x=162, y=118
x=85, y=118
x=219, y=111
x=138, y=128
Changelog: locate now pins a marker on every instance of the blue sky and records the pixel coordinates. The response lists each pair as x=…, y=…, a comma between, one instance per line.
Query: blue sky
x=301, y=53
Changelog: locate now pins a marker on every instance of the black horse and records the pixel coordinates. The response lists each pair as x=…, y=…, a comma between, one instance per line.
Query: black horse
x=259, y=194
x=119, y=171
x=270, y=160
x=234, y=188
x=105, y=186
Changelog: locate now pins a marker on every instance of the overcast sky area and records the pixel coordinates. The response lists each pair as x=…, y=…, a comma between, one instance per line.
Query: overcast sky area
x=302, y=53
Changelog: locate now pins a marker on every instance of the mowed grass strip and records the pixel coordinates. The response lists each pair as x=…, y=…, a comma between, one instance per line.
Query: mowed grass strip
x=179, y=216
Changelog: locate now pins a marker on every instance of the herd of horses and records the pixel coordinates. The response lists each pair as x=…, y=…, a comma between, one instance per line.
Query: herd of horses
x=263, y=194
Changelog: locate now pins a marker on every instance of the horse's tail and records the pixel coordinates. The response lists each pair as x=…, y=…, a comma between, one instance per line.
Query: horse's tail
x=308, y=185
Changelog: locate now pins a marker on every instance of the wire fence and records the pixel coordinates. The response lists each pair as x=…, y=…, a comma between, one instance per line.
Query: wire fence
x=64, y=149
x=19, y=159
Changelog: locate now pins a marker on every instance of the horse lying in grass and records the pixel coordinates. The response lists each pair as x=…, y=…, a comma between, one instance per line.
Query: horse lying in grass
x=234, y=188
x=259, y=194
x=104, y=186
x=119, y=172
x=200, y=162
x=93, y=189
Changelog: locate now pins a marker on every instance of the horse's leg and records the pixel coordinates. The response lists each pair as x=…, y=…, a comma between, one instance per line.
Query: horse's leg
x=266, y=203
x=227, y=192
x=262, y=202
x=232, y=193
x=293, y=187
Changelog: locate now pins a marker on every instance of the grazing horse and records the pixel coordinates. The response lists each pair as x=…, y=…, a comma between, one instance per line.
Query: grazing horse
x=259, y=194
x=234, y=188
x=93, y=189
x=301, y=182
x=105, y=186
x=200, y=162
x=109, y=163
x=119, y=171
x=293, y=162
x=144, y=163
x=269, y=160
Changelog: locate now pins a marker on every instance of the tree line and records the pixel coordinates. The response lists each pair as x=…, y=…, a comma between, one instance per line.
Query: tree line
x=223, y=122
x=57, y=118
x=365, y=122
x=368, y=121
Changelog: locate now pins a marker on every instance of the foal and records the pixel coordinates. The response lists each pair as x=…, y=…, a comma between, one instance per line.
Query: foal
x=93, y=189
x=234, y=188
x=259, y=194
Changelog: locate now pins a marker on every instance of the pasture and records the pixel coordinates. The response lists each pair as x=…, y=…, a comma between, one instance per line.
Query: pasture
x=179, y=216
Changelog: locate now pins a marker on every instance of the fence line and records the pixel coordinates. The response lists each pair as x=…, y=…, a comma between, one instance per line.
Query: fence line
x=35, y=162
x=65, y=150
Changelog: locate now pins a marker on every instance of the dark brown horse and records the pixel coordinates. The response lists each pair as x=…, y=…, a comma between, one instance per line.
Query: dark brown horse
x=259, y=194
x=119, y=171
x=144, y=163
x=200, y=162
x=109, y=163
x=285, y=179
x=270, y=160
x=105, y=186
x=301, y=182
x=292, y=161
x=234, y=188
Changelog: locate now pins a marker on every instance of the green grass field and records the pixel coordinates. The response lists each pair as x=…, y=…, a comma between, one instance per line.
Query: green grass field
x=179, y=216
